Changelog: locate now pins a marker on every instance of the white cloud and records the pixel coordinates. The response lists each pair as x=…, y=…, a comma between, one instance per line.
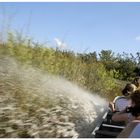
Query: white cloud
x=137, y=38
x=59, y=43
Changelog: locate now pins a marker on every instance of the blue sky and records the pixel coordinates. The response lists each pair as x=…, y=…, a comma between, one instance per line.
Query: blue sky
x=81, y=27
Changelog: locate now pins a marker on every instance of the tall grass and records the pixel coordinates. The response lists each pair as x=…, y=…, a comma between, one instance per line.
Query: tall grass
x=89, y=75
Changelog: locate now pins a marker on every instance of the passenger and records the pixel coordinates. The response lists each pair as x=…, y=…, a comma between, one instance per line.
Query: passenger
x=121, y=105
x=120, y=102
x=132, y=130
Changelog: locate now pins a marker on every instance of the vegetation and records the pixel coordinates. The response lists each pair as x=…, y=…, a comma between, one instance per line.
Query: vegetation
x=100, y=75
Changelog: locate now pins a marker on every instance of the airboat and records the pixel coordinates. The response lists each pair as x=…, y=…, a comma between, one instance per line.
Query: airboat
x=107, y=128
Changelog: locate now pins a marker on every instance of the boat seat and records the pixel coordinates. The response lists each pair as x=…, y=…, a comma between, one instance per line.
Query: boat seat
x=106, y=134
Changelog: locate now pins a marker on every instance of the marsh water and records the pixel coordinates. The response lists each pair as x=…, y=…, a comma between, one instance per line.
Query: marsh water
x=34, y=103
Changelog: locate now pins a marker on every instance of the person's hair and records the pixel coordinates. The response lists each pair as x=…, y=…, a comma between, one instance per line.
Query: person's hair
x=136, y=81
x=128, y=89
x=135, y=97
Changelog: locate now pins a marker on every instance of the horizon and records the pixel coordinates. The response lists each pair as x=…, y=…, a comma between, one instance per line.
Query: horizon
x=75, y=26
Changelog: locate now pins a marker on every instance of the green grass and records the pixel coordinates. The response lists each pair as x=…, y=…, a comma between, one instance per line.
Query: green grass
x=88, y=74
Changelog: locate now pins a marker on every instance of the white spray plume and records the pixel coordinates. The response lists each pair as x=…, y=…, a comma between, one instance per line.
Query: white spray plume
x=82, y=105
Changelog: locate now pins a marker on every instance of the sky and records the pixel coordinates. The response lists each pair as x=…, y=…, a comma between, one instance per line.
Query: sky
x=81, y=27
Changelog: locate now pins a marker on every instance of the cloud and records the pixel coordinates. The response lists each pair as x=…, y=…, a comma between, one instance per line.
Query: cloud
x=137, y=38
x=59, y=43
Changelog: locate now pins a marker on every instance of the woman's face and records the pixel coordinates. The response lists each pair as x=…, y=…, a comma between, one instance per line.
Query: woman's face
x=137, y=82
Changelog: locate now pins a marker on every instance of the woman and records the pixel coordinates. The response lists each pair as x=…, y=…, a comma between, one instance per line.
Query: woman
x=132, y=130
x=120, y=102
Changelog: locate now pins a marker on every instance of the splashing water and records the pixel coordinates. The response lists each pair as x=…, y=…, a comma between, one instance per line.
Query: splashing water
x=46, y=92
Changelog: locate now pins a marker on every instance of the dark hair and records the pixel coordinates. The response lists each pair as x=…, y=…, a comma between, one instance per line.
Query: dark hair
x=135, y=97
x=128, y=89
x=136, y=81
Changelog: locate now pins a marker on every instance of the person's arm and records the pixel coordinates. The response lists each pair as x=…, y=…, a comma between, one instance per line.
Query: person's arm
x=111, y=106
x=128, y=130
x=120, y=116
